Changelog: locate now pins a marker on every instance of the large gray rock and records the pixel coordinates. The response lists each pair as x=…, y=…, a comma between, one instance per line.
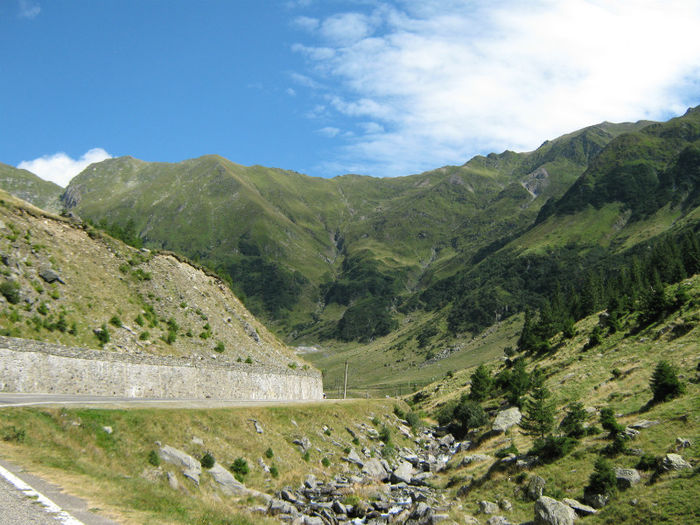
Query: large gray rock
x=535, y=487
x=626, y=477
x=403, y=473
x=644, y=423
x=354, y=457
x=549, y=511
x=674, y=462
x=506, y=419
x=190, y=467
x=488, y=507
x=226, y=481
x=50, y=276
x=374, y=469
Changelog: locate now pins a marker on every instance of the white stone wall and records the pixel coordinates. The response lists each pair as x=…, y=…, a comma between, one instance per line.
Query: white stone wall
x=33, y=371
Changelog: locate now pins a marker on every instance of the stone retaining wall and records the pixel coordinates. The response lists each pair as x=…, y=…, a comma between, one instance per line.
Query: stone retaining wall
x=36, y=367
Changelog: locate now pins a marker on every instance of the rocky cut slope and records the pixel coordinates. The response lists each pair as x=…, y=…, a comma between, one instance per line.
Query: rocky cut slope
x=64, y=282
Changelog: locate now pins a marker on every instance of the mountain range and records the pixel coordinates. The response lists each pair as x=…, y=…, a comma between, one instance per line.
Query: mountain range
x=436, y=256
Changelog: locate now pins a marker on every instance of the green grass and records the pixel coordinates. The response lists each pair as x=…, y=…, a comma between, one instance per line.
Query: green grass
x=71, y=446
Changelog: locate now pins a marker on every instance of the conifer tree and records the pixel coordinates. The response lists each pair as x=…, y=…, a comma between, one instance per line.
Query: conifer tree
x=538, y=419
x=481, y=384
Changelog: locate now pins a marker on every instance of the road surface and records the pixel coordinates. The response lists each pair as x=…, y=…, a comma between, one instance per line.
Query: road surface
x=19, y=400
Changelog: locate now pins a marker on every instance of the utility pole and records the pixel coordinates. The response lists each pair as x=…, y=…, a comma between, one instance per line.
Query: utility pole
x=345, y=382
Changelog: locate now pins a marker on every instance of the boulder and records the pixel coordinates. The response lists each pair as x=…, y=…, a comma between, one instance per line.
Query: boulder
x=506, y=419
x=549, y=511
x=505, y=505
x=488, y=507
x=626, y=477
x=277, y=507
x=674, y=462
x=226, y=481
x=50, y=276
x=629, y=433
x=579, y=508
x=374, y=469
x=190, y=467
x=354, y=457
x=535, y=487
x=403, y=473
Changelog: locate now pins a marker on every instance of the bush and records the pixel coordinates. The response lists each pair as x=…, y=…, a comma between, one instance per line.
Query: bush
x=274, y=472
x=269, y=454
x=10, y=289
x=153, y=458
x=551, y=448
x=385, y=434
x=219, y=347
x=665, y=383
x=413, y=420
x=617, y=447
x=602, y=480
x=115, y=321
x=207, y=461
x=102, y=335
x=609, y=423
x=572, y=424
x=306, y=456
x=399, y=413
x=647, y=462
x=326, y=462
x=240, y=468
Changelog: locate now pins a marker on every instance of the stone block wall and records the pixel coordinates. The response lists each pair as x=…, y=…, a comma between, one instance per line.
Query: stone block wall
x=36, y=367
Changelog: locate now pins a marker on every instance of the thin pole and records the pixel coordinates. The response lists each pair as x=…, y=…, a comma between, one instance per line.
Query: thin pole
x=345, y=387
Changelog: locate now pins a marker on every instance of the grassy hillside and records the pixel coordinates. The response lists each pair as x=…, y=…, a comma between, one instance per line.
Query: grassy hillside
x=27, y=186
x=71, y=284
x=615, y=373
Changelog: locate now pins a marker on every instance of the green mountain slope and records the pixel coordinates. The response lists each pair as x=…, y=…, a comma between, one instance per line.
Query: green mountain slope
x=320, y=258
x=27, y=186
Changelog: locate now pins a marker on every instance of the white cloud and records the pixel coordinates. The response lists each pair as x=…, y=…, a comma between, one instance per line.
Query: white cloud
x=329, y=131
x=448, y=79
x=306, y=23
x=60, y=168
x=28, y=9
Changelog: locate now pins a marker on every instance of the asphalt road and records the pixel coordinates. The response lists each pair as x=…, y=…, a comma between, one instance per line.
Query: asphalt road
x=18, y=400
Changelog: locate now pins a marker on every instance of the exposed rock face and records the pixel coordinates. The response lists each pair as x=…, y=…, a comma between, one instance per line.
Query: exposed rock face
x=374, y=469
x=506, y=419
x=549, y=511
x=226, y=481
x=190, y=467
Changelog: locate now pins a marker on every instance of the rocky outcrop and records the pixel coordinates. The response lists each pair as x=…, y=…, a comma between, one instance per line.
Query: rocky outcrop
x=674, y=462
x=506, y=419
x=549, y=511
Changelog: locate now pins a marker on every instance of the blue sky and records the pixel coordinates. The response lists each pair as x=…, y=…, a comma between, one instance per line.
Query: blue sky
x=326, y=87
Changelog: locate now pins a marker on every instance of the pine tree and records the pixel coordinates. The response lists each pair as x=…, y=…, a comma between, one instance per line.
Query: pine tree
x=481, y=384
x=538, y=419
x=518, y=382
x=572, y=424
